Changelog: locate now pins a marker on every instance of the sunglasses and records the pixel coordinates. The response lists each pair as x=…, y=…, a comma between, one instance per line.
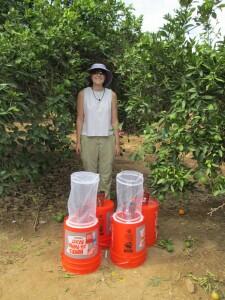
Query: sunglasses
x=97, y=72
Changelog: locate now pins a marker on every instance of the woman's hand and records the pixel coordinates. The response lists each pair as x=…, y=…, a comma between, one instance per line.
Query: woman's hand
x=78, y=148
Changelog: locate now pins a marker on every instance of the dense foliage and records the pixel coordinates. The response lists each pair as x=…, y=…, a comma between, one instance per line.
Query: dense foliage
x=170, y=85
x=175, y=85
x=45, y=49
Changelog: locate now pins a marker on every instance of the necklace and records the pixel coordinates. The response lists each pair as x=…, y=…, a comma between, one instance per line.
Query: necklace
x=98, y=97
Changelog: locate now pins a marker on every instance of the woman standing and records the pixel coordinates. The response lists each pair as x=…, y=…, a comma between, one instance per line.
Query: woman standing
x=97, y=126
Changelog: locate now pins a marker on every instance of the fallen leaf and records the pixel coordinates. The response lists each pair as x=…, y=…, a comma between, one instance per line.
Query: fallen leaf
x=190, y=285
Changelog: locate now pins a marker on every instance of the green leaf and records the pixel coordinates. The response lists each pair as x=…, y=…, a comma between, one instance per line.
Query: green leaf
x=160, y=181
x=166, y=244
x=210, y=107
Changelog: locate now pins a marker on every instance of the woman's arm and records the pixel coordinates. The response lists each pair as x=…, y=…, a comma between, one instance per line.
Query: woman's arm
x=80, y=119
x=115, y=123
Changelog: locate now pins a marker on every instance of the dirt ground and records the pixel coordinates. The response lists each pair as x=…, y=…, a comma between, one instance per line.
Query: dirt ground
x=30, y=265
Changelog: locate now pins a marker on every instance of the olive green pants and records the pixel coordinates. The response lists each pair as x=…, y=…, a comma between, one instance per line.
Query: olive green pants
x=97, y=154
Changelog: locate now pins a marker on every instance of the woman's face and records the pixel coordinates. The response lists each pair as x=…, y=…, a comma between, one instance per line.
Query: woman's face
x=98, y=77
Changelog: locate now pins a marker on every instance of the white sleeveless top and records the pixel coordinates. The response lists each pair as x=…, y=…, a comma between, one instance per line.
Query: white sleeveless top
x=97, y=113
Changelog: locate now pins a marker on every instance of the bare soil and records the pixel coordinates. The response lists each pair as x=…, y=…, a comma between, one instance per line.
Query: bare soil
x=30, y=266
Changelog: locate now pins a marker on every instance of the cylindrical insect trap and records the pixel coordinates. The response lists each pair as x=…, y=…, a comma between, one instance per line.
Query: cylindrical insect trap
x=128, y=247
x=81, y=253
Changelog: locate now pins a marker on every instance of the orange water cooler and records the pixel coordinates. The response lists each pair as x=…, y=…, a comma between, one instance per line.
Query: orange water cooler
x=81, y=252
x=128, y=248
x=104, y=211
x=150, y=208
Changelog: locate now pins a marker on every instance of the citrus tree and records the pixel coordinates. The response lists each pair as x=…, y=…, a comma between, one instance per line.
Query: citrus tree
x=170, y=85
x=175, y=89
x=45, y=50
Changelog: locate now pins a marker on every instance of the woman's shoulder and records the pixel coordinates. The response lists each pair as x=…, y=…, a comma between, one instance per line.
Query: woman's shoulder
x=114, y=96
x=83, y=91
x=86, y=89
x=110, y=91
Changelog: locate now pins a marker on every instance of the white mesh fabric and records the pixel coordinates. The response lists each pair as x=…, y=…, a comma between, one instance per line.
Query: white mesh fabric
x=129, y=190
x=82, y=198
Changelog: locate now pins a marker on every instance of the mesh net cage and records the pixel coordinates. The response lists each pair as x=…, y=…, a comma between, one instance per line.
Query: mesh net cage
x=129, y=190
x=82, y=199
